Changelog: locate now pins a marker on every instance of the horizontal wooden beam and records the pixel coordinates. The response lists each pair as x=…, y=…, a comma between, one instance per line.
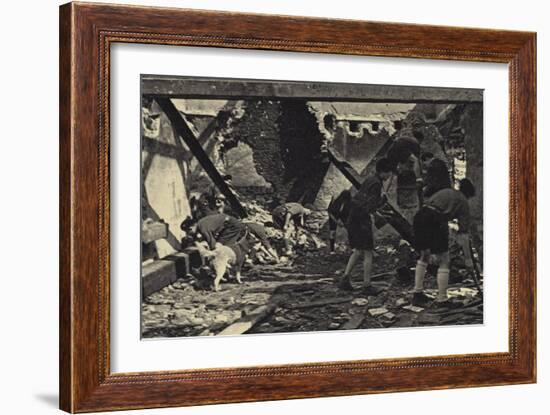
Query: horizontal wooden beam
x=222, y=88
x=165, y=149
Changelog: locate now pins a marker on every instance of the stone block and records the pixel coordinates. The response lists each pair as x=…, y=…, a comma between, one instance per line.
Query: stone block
x=160, y=273
x=157, y=275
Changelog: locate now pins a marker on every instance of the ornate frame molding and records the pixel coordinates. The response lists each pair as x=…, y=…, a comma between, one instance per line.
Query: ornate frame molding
x=86, y=33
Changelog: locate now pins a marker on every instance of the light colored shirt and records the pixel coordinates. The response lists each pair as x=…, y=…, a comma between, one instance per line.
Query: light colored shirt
x=453, y=205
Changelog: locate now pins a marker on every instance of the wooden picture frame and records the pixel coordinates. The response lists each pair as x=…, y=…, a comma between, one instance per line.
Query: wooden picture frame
x=86, y=33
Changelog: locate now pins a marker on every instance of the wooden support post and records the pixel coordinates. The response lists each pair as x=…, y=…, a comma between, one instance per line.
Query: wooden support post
x=183, y=130
x=244, y=324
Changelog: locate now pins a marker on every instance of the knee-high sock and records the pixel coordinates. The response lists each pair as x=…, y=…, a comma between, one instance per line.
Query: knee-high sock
x=419, y=273
x=442, y=283
x=354, y=257
x=367, y=268
x=332, y=225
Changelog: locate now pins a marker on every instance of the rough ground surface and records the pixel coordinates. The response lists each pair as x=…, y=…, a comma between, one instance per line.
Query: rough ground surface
x=302, y=295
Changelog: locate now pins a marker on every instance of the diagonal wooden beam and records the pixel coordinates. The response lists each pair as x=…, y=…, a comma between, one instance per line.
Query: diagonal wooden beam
x=183, y=130
x=345, y=168
x=388, y=213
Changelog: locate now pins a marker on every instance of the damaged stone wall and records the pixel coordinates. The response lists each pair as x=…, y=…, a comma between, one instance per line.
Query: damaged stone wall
x=377, y=123
x=164, y=195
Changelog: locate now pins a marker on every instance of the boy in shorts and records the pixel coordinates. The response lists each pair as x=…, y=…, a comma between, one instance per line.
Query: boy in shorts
x=359, y=225
x=338, y=212
x=431, y=230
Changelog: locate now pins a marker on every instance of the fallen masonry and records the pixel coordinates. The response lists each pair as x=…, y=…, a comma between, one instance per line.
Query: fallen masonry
x=300, y=295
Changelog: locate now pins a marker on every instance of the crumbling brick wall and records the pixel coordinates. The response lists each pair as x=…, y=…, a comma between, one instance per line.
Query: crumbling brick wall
x=258, y=128
x=302, y=153
x=286, y=142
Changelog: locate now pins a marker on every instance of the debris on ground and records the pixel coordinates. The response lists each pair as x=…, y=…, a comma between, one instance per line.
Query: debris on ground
x=378, y=311
x=302, y=295
x=413, y=308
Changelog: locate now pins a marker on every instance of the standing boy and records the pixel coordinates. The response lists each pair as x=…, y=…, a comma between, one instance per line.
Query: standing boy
x=359, y=225
x=436, y=175
x=431, y=229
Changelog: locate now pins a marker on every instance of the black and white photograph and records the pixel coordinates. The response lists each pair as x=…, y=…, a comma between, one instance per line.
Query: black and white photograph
x=275, y=207
x=296, y=206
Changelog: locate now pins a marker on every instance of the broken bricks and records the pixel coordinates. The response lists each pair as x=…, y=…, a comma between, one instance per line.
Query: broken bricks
x=413, y=308
x=378, y=311
x=360, y=302
x=388, y=318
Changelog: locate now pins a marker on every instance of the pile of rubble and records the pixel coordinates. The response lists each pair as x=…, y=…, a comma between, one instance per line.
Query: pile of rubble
x=309, y=237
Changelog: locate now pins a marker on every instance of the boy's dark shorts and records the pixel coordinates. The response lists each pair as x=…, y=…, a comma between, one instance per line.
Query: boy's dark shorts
x=431, y=231
x=360, y=232
x=332, y=223
x=279, y=216
x=278, y=220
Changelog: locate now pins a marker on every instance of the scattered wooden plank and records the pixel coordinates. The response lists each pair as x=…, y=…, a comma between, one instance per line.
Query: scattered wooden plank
x=354, y=322
x=446, y=312
x=378, y=311
x=462, y=310
x=319, y=303
x=244, y=324
x=413, y=308
x=382, y=274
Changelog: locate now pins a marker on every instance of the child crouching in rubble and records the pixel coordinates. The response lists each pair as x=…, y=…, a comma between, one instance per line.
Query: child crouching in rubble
x=222, y=241
x=289, y=217
x=263, y=245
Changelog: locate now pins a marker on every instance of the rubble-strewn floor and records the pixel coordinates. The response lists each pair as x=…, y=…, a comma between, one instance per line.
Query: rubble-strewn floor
x=301, y=295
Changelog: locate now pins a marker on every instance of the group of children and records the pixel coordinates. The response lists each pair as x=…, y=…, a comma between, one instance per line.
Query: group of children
x=225, y=240
x=440, y=204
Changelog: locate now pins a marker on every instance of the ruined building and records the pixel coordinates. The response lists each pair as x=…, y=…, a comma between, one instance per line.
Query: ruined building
x=285, y=149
